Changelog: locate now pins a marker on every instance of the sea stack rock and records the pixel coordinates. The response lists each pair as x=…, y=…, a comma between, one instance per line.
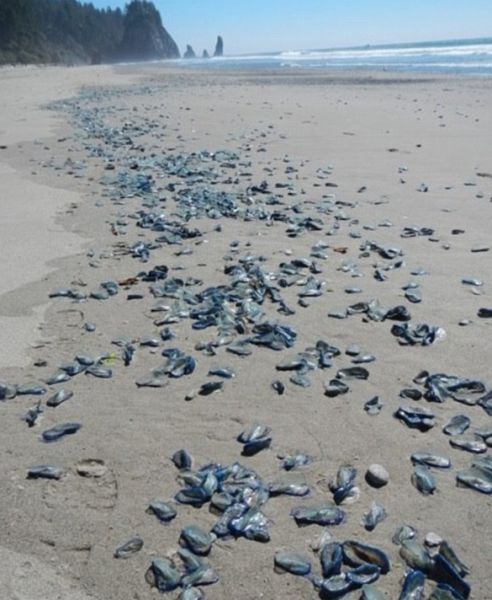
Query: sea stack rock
x=205, y=54
x=219, y=47
x=144, y=36
x=190, y=53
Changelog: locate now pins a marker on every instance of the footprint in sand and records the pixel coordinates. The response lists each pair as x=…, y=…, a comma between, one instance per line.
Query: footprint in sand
x=78, y=492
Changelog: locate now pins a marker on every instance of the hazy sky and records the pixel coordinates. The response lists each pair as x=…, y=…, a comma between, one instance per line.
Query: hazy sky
x=249, y=26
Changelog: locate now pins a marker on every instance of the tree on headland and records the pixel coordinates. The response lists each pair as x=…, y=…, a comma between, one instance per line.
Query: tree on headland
x=56, y=31
x=144, y=35
x=69, y=32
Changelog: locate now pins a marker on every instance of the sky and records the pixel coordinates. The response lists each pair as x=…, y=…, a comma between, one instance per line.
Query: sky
x=251, y=26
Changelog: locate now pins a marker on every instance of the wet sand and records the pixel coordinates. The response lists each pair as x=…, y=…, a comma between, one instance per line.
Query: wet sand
x=31, y=237
x=376, y=140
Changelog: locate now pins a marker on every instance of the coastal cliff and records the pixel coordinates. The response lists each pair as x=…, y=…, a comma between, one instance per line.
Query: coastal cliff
x=145, y=37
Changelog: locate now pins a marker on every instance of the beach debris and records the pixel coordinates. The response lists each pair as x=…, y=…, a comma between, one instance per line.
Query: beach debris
x=58, y=377
x=420, y=418
x=34, y=414
x=99, y=372
x=449, y=570
x=377, y=513
x=474, y=445
x=430, y=459
x=457, y=425
x=255, y=439
x=129, y=548
x=414, y=231
x=163, y=575
x=293, y=563
x=363, y=359
x=177, y=364
x=432, y=540
x=225, y=372
x=182, y=460
x=404, y=532
x=444, y=567
x=295, y=461
x=474, y=281
x=45, y=472
x=439, y=387
x=414, y=296
x=343, y=486
x=210, y=387
x=377, y=476
x=196, y=539
x=60, y=397
x=7, y=391
x=290, y=486
x=369, y=592
x=335, y=387
x=191, y=593
x=331, y=559
x=424, y=480
x=60, y=431
x=373, y=406
x=358, y=554
x=164, y=511
x=319, y=514
x=416, y=555
x=478, y=477
x=279, y=387
x=411, y=394
x=353, y=373
x=421, y=334
x=335, y=586
x=413, y=585
x=24, y=390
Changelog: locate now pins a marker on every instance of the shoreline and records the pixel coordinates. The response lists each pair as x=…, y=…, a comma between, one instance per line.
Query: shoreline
x=31, y=232
x=361, y=136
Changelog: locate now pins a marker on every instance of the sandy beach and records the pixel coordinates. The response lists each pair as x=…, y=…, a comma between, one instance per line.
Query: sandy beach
x=349, y=161
x=29, y=209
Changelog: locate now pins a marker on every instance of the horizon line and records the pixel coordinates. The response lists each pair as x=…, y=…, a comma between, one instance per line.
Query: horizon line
x=362, y=46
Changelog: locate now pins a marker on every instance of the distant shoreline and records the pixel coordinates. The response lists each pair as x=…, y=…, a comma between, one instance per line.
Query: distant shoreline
x=454, y=57
x=390, y=45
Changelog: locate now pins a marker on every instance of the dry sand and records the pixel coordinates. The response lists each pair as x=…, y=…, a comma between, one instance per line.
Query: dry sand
x=364, y=127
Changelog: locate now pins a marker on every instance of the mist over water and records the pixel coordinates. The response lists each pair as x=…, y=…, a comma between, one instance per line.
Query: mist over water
x=462, y=57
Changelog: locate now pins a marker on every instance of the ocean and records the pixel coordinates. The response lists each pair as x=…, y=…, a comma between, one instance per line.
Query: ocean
x=458, y=57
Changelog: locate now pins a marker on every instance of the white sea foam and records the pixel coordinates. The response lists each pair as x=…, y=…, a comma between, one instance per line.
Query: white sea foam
x=429, y=51
x=474, y=56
